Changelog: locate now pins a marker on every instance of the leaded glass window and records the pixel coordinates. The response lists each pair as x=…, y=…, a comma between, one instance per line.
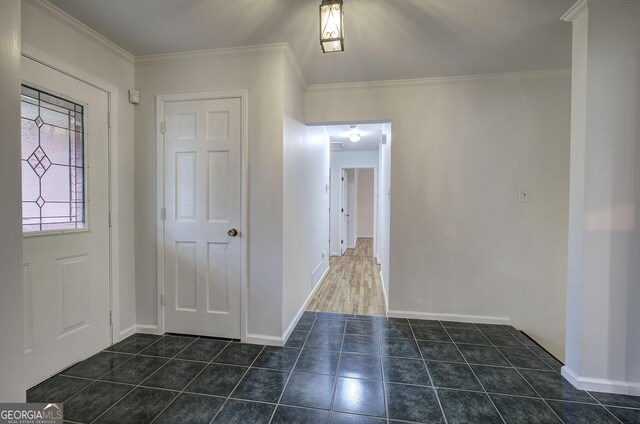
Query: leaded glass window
x=53, y=173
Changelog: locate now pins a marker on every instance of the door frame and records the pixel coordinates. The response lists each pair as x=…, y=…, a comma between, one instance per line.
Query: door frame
x=355, y=205
x=161, y=99
x=344, y=238
x=31, y=53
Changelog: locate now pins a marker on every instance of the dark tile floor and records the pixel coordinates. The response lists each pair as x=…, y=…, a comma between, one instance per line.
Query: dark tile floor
x=341, y=369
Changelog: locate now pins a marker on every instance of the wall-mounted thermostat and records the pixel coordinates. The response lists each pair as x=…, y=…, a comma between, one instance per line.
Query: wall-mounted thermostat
x=134, y=97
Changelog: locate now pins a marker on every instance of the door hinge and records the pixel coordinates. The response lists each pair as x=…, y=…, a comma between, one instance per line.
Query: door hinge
x=163, y=127
x=341, y=241
x=162, y=301
x=110, y=221
x=110, y=317
x=342, y=178
x=163, y=213
x=342, y=210
x=109, y=120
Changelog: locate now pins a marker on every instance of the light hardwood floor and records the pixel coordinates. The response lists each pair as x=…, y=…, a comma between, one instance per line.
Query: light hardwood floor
x=353, y=284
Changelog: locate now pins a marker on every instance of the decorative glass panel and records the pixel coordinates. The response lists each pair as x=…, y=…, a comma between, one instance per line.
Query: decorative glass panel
x=53, y=186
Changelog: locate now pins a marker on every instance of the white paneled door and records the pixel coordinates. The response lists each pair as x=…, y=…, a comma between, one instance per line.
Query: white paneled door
x=66, y=271
x=202, y=184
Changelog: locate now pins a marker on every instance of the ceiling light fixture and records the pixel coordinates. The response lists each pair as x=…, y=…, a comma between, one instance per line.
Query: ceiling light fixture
x=331, y=26
x=354, y=136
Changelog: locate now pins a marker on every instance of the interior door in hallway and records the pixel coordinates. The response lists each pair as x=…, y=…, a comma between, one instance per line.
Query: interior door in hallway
x=202, y=183
x=344, y=212
x=65, y=201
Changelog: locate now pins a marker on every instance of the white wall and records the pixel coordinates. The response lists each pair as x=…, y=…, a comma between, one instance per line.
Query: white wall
x=384, y=208
x=364, y=204
x=262, y=75
x=47, y=30
x=342, y=160
x=461, y=147
x=305, y=203
x=603, y=352
x=12, y=385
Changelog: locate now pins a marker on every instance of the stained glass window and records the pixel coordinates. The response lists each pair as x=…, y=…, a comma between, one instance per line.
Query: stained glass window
x=53, y=174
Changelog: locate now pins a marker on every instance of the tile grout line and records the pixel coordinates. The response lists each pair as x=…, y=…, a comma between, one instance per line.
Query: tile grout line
x=433, y=384
x=95, y=380
x=140, y=384
x=536, y=392
x=384, y=380
x=192, y=380
x=526, y=381
x=474, y=373
x=237, y=384
x=337, y=371
x=606, y=409
x=134, y=386
x=178, y=392
x=286, y=383
x=523, y=377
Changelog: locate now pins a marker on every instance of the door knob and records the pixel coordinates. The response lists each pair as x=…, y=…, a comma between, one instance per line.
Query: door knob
x=232, y=232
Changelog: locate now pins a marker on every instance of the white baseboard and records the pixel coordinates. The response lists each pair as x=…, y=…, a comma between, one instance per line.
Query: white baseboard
x=137, y=329
x=147, y=329
x=600, y=384
x=384, y=294
x=126, y=333
x=263, y=340
x=480, y=319
x=349, y=246
x=306, y=303
x=335, y=254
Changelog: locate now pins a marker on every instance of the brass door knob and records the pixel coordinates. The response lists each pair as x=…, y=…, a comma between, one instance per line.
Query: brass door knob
x=232, y=232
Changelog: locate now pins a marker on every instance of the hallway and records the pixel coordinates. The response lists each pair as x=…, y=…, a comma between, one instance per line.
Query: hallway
x=353, y=284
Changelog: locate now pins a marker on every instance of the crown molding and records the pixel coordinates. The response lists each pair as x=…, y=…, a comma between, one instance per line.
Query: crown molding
x=71, y=22
x=291, y=58
x=224, y=53
x=575, y=11
x=556, y=74
x=579, y=7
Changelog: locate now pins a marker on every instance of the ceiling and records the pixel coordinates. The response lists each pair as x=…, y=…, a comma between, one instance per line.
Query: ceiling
x=384, y=39
x=371, y=136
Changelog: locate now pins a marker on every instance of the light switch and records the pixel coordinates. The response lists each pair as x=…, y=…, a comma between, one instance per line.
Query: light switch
x=134, y=97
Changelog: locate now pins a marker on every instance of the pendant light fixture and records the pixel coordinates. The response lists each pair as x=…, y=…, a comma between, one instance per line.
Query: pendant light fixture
x=331, y=26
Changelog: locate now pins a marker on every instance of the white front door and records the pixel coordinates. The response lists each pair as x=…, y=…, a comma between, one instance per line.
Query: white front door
x=65, y=173
x=344, y=213
x=202, y=180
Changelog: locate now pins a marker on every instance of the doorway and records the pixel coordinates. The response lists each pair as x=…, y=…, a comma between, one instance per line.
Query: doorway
x=359, y=228
x=358, y=210
x=201, y=246
x=65, y=219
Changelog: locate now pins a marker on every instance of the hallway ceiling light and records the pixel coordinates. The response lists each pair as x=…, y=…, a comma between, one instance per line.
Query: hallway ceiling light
x=331, y=26
x=353, y=135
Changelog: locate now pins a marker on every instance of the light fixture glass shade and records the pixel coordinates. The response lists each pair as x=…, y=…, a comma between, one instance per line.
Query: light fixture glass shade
x=355, y=137
x=331, y=26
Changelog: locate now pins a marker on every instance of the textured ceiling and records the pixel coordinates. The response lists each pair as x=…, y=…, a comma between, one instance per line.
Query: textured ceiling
x=384, y=39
